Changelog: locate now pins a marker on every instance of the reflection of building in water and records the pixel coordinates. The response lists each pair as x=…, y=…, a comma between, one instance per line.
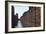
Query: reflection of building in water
x=14, y=18
x=31, y=18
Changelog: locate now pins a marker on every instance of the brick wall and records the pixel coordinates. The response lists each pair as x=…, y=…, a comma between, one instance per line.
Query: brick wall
x=31, y=18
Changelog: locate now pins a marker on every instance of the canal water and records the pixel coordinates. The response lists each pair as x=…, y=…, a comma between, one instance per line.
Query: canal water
x=19, y=25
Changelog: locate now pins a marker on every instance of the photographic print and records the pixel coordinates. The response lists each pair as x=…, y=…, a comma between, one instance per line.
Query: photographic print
x=24, y=16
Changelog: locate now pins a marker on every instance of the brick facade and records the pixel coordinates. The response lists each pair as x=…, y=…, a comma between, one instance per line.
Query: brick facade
x=31, y=18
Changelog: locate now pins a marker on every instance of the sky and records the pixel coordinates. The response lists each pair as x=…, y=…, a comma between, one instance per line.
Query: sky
x=20, y=10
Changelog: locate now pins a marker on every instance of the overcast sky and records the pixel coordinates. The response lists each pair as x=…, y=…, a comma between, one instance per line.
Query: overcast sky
x=20, y=10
